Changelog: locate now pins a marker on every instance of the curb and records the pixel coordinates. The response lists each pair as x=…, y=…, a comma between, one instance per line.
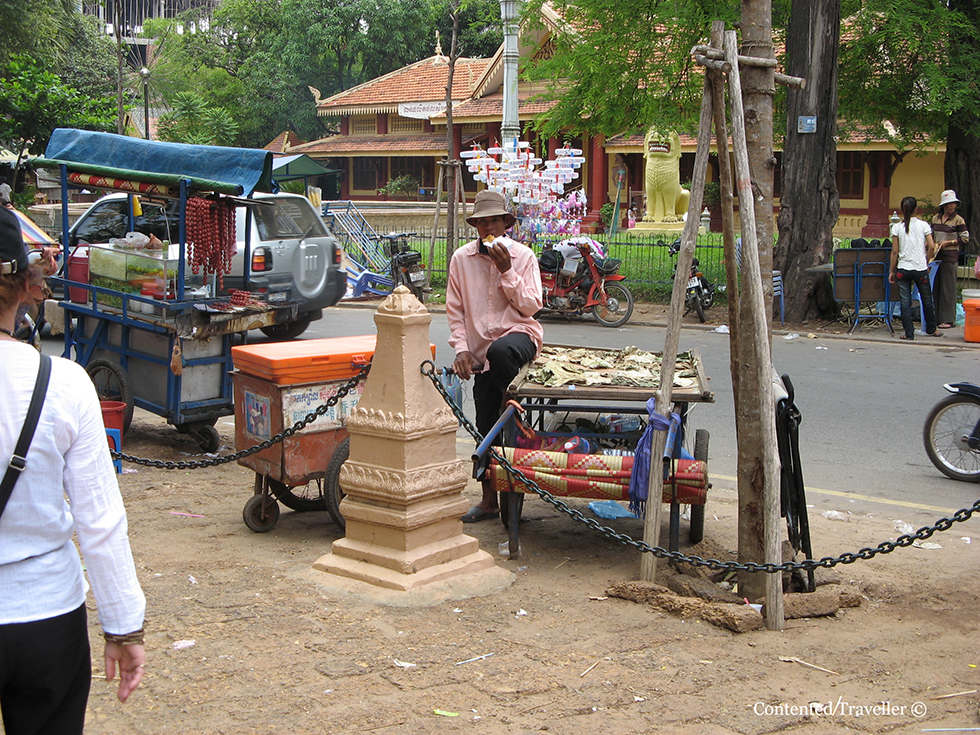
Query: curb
x=952, y=338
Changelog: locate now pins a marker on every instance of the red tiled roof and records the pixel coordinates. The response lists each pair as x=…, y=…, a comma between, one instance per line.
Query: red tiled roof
x=422, y=81
x=379, y=145
x=493, y=106
x=284, y=142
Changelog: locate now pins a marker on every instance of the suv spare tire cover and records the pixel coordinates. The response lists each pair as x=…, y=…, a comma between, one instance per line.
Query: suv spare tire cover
x=311, y=263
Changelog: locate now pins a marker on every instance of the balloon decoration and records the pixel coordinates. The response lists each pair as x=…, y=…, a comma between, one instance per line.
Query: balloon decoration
x=536, y=187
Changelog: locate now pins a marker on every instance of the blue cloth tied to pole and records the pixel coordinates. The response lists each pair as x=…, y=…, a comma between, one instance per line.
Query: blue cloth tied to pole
x=640, y=477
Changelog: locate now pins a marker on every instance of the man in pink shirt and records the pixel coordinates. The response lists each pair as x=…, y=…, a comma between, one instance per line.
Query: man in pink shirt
x=494, y=291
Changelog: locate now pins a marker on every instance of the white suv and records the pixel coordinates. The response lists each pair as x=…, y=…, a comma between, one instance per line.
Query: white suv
x=294, y=256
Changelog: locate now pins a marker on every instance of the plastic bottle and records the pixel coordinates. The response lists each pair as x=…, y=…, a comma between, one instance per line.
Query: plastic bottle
x=577, y=445
x=620, y=424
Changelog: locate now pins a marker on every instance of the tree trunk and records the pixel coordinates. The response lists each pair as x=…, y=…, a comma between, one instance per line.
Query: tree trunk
x=117, y=27
x=758, y=85
x=810, y=204
x=962, y=166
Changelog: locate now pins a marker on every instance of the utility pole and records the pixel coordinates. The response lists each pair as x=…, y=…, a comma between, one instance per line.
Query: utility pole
x=510, y=128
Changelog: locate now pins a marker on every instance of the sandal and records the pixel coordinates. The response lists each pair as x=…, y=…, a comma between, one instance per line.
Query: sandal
x=477, y=514
x=937, y=333
x=902, y=336
x=944, y=326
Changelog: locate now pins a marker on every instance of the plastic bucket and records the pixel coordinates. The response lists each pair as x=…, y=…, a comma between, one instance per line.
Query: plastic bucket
x=971, y=308
x=971, y=293
x=114, y=413
x=78, y=271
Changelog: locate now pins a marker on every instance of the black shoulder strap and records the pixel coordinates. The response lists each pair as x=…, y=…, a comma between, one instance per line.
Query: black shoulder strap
x=19, y=461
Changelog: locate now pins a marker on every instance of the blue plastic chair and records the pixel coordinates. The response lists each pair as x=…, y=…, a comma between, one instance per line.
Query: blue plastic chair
x=777, y=282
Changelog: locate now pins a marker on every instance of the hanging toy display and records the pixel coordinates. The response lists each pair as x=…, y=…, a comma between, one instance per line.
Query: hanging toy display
x=211, y=236
x=536, y=187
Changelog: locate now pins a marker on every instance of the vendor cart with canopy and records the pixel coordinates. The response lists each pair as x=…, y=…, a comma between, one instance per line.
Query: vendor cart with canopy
x=150, y=323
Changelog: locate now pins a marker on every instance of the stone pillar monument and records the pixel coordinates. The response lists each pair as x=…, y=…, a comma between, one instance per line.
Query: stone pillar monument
x=403, y=480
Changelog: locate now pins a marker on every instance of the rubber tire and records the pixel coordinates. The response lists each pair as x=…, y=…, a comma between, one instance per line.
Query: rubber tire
x=954, y=460
x=602, y=315
x=302, y=502
x=287, y=330
x=252, y=514
x=699, y=308
x=112, y=384
x=332, y=492
x=696, y=533
x=207, y=438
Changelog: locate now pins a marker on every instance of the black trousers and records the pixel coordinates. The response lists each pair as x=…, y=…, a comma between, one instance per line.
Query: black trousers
x=45, y=675
x=505, y=358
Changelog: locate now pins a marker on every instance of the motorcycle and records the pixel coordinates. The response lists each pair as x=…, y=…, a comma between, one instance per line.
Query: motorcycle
x=406, y=264
x=952, y=433
x=700, y=294
x=576, y=278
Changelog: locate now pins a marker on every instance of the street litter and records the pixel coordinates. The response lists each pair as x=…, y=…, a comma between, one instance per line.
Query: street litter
x=723, y=329
x=794, y=660
x=191, y=579
x=475, y=658
x=403, y=664
x=189, y=515
x=183, y=644
x=791, y=335
x=520, y=613
x=926, y=545
x=904, y=528
x=610, y=510
x=834, y=515
x=811, y=335
x=444, y=713
x=821, y=347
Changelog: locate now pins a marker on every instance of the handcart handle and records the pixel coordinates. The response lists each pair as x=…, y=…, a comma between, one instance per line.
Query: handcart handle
x=492, y=435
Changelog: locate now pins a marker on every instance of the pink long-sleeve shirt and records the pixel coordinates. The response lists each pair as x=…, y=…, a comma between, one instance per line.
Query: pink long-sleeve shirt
x=483, y=304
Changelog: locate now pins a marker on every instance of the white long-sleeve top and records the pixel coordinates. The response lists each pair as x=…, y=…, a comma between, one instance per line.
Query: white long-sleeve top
x=40, y=571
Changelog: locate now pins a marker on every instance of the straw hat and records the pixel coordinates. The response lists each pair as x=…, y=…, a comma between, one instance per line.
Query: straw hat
x=490, y=204
x=947, y=197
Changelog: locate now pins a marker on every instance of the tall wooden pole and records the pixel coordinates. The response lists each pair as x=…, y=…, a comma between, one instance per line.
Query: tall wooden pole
x=651, y=520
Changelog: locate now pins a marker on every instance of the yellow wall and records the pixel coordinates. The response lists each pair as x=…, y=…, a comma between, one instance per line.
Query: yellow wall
x=920, y=177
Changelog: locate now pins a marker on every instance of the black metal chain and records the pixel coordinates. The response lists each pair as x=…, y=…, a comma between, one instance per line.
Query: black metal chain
x=343, y=391
x=943, y=524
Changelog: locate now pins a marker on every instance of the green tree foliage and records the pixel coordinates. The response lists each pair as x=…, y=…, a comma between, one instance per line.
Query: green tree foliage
x=192, y=121
x=35, y=101
x=39, y=27
x=901, y=75
x=619, y=66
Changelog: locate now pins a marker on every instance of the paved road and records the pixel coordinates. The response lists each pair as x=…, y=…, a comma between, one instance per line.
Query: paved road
x=863, y=403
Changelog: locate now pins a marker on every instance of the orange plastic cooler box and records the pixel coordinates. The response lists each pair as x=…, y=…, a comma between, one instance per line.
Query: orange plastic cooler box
x=305, y=361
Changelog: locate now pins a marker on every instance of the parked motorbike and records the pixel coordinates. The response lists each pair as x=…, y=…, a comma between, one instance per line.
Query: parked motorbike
x=952, y=433
x=700, y=294
x=576, y=278
x=406, y=264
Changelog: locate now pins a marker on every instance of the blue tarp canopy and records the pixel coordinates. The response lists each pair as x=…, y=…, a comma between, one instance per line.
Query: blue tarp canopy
x=239, y=171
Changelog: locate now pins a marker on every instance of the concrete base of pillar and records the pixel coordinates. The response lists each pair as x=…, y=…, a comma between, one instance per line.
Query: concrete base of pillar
x=659, y=226
x=343, y=561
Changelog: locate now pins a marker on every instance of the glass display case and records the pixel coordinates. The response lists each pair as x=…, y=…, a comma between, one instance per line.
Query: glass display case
x=151, y=273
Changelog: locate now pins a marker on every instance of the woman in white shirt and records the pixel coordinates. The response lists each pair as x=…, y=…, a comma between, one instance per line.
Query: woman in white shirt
x=912, y=247
x=45, y=661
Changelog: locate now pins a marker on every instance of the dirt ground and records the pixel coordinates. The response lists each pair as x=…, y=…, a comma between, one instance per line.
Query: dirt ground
x=243, y=637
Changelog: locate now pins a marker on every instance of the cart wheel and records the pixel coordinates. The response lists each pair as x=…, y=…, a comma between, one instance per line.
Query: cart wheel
x=301, y=498
x=287, y=330
x=189, y=426
x=332, y=492
x=261, y=513
x=207, y=438
x=112, y=384
x=701, y=437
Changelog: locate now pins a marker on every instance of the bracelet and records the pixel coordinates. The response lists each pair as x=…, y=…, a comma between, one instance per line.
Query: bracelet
x=127, y=639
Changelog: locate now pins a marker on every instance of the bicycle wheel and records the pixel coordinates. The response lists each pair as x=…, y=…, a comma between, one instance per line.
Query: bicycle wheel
x=332, y=492
x=948, y=426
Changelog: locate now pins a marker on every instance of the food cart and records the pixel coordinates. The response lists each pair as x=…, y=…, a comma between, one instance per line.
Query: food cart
x=149, y=324
x=584, y=412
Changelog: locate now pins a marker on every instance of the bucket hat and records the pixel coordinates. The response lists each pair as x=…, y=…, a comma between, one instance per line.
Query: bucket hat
x=13, y=253
x=490, y=204
x=947, y=197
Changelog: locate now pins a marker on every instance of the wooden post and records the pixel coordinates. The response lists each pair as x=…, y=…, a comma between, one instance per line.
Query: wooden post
x=752, y=281
x=651, y=520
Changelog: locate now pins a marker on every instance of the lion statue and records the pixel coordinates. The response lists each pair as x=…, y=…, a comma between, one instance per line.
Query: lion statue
x=666, y=200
